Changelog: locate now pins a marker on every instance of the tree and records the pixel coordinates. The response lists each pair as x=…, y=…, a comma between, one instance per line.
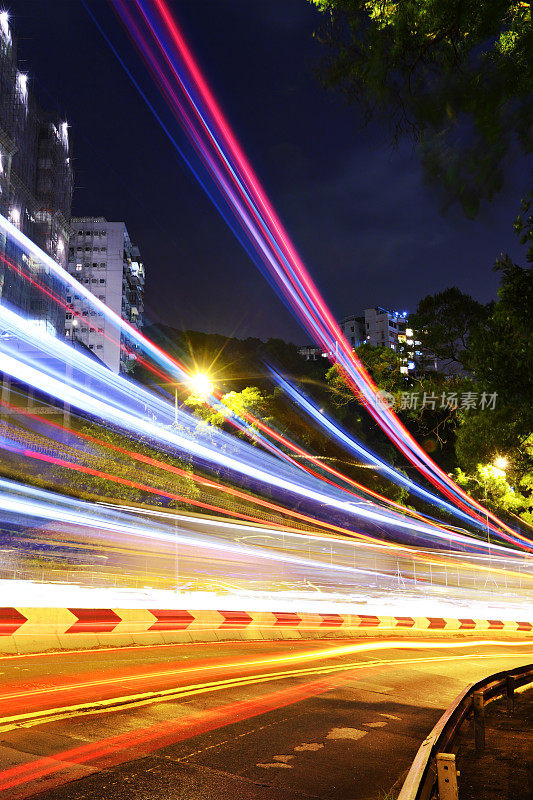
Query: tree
x=444, y=322
x=384, y=366
x=494, y=487
x=501, y=355
x=454, y=75
x=502, y=349
x=250, y=401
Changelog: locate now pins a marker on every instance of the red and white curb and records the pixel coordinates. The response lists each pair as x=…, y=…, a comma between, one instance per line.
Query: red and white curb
x=16, y=622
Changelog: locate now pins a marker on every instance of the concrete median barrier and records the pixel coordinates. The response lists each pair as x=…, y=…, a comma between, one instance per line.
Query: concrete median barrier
x=26, y=630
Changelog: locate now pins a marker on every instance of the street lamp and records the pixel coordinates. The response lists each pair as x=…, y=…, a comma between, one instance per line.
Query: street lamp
x=501, y=463
x=201, y=384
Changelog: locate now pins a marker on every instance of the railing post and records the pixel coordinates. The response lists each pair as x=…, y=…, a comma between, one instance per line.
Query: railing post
x=479, y=720
x=447, y=776
x=509, y=685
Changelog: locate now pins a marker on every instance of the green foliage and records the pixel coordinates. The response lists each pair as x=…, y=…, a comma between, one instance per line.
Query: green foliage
x=494, y=486
x=383, y=364
x=484, y=435
x=104, y=461
x=502, y=349
x=249, y=401
x=501, y=356
x=433, y=423
x=443, y=323
x=455, y=75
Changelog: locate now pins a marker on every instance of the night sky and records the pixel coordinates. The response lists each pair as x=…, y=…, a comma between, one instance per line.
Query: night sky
x=367, y=226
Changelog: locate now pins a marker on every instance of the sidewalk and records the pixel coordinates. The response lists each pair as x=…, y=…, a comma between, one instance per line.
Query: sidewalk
x=504, y=771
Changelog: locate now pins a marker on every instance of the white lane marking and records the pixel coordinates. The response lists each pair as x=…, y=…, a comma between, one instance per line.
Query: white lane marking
x=389, y=716
x=313, y=746
x=277, y=764
x=346, y=733
x=282, y=758
x=375, y=724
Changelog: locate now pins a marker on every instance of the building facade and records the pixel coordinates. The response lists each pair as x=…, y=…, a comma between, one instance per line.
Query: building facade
x=384, y=328
x=102, y=256
x=35, y=189
x=310, y=352
x=377, y=327
x=353, y=329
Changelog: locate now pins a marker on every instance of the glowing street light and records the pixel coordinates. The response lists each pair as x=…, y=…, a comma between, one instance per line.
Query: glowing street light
x=501, y=463
x=201, y=385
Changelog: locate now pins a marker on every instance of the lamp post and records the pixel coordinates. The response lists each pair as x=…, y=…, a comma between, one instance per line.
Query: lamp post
x=202, y=387
x=499, y=465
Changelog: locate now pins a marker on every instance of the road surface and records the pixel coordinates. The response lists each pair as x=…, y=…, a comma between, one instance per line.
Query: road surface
x=286, y=720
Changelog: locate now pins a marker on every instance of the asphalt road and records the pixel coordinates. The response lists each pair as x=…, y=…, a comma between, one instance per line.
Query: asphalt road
x=246, y=721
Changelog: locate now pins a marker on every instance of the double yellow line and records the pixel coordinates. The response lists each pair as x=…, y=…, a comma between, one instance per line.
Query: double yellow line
x=136, y=700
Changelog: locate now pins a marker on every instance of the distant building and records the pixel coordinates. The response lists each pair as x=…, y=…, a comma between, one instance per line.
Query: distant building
x=103, y=258
x=310, y=352
x=353, y=329
x=379, y=328
x=35, y=188
x=382, y=327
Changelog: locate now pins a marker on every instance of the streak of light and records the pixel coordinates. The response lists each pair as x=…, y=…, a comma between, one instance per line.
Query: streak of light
x=83, y=399
x=147, y=739
x=433, y=558
x=314, y=655
x=42, y=506
x=210, y=484
x=171, y=62
x=244, y=426
x=229, y=415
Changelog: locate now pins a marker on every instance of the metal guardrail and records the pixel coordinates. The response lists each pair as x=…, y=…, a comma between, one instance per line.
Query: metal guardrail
x=421, y=781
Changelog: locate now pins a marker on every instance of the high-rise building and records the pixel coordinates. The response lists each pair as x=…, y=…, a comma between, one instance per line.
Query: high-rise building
x=103, y=258
x=35, y=188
